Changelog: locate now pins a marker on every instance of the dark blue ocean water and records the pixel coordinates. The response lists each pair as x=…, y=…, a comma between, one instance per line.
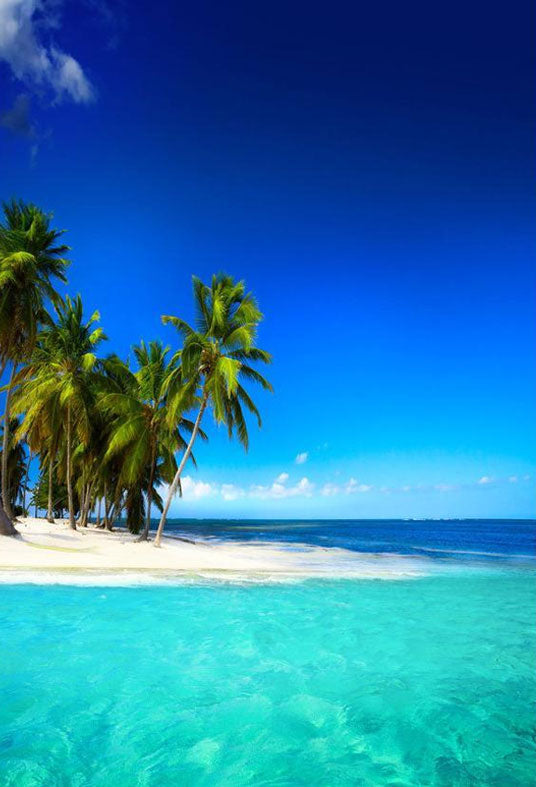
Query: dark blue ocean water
x=462, y=538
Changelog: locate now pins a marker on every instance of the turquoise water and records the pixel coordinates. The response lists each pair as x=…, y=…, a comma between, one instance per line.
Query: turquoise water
x=416, y=682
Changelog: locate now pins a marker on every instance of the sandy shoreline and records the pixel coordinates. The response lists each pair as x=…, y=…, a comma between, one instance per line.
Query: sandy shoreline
x=47, y=553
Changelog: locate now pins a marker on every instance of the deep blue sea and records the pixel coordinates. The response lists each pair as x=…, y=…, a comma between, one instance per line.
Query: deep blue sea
x=461, y=539
x=428, y=681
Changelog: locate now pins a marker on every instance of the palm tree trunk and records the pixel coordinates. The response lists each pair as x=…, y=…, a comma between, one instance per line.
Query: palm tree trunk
x=174, y=485
x=83, y=494
x=145, y=535
x=110, y=519
x=117, y=511
x=50, y=517
x=98, y=522
x=87, y=505
x=90, y=503
x=72, y=520
x=26, y=483
x=6, y=525
x=6, y=502
x=108, y=524
x=105, y=517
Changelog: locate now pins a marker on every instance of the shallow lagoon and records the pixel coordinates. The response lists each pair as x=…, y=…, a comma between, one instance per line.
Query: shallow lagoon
x=374, y=682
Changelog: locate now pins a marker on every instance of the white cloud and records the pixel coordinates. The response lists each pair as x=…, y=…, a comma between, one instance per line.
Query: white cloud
x=350, y=487
x=31, y=59
x=231, y=492
x=353, y=485
x=279, y=490
x=195, y=490
x=301, y=459
x=303, y=487
x=328, y=490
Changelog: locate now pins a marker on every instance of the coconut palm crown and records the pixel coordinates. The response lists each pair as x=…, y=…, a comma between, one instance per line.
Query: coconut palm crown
x=216, y=360
x=31, y=256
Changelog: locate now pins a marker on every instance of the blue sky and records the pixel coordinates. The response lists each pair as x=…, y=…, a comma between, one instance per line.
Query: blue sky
x=367, y=169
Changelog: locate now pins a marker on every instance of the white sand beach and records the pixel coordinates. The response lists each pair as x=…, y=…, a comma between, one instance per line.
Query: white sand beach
x=45, y=552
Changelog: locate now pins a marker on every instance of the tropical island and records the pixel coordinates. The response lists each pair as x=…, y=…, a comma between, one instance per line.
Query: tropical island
x=107, y=434
x=113, y=438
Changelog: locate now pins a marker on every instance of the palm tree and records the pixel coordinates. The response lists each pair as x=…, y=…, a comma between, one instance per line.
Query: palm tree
x=142, y=437
x=215, y=360
x=64, y=373
x=42, y=425
x=31, y=255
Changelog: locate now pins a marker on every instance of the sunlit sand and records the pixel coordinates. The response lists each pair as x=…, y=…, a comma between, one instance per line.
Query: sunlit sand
x=55, y=553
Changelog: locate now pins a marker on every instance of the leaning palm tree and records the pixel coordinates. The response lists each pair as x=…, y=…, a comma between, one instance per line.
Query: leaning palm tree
x=31, y=255
x=64, y=369
x=215, y=361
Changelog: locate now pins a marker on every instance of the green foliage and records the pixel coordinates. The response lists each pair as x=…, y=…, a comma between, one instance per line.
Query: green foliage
x=217, y=354
x=116, y=430
x=215, y=360
x=141, y=436
x=31, y=256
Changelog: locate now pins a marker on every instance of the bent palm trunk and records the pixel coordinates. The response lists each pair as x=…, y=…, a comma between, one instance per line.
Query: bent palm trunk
x=30, y=457
x=89, y=500
x=81, y=504
x=174, y=485
x=50, y=517
x=72, y=520
x=104, y=520
x=5, y=449
x=108, y=518
x=145, y=535
x=85, y=504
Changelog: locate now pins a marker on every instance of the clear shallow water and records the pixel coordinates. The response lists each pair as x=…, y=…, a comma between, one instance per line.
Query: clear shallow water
x=426, y=682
